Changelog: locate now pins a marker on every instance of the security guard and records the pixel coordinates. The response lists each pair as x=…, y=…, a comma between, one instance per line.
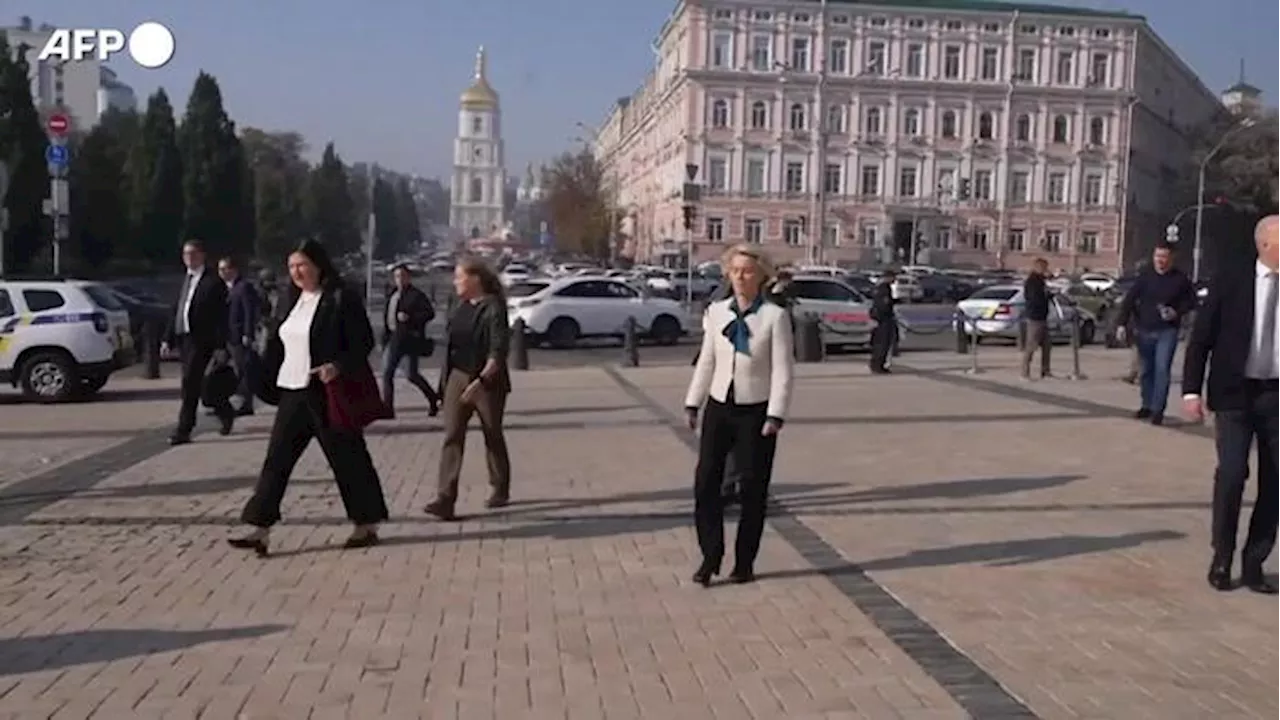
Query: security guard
x=886, y=318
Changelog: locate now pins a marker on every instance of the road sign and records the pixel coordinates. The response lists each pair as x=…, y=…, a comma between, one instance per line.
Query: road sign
x=58, y=125
x=57, y=156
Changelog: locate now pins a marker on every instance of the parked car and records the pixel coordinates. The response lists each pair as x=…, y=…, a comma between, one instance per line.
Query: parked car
x=996, y=312
x=576, y=307
x=845, y=313
x=140, y=313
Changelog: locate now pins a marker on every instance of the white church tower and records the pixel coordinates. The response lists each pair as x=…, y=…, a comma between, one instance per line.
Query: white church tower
x=476, y=207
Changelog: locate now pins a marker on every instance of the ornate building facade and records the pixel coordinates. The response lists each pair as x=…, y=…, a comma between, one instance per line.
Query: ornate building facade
x=477, y=190
x=972, y=133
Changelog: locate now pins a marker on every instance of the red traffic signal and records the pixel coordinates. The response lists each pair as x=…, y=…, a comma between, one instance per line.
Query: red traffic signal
x=1220, y=200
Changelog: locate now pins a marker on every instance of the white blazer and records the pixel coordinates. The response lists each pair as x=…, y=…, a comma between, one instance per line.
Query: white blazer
x=763, y=376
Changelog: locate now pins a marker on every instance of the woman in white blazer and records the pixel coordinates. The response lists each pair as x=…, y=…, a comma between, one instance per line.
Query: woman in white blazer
x=743, y=376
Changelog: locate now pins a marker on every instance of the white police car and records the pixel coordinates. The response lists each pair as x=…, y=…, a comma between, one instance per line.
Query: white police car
x=61, y=339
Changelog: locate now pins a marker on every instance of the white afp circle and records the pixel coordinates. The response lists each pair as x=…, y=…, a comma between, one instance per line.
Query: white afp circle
x=151, y=45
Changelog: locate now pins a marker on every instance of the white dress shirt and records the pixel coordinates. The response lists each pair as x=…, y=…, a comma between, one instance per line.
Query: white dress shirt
x=763, y=376
x=295, y=335
x=1261, y=284
x=193, y=281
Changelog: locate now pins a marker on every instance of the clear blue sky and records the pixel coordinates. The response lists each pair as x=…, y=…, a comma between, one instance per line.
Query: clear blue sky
x=381, y=78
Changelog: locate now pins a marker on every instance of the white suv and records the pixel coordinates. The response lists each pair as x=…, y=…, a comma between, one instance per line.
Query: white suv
x=562, y=311
x=61, y=339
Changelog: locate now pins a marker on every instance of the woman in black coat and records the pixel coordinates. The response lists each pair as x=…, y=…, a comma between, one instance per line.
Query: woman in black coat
x=323, y=333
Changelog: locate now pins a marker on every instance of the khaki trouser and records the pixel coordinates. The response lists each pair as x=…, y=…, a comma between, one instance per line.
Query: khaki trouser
x=1037, y=338
x=489, y=405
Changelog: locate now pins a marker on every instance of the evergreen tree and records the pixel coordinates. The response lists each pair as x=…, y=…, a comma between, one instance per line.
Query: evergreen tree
x=22, y=144
x=154, y=200
x=330, y=210
x=389, y=233
x=99, y=219
x=279, y=178
x=212, y=172
x=407, y=216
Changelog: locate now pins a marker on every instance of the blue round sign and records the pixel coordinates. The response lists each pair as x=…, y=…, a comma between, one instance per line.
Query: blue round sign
x=57, y=155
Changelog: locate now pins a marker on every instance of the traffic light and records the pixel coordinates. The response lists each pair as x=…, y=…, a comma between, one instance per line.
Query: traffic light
x=690, y=212
x=966, y=186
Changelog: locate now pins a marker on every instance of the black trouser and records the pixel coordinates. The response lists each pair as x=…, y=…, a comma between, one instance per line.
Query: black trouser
x=301, y=416
x=195, y=360
x=727, y=429
x=246, y=364
x=392, y=356
x=1236, y=431
x=881, y=344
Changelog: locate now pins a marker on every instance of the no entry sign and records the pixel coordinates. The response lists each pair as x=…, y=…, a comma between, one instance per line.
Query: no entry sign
x=58, y=125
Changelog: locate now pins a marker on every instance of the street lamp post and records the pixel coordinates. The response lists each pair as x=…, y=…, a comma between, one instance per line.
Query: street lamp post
x=1200, y=182
x=818, y=224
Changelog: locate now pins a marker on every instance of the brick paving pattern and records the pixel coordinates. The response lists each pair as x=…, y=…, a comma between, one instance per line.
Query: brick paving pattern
x=1060, y=551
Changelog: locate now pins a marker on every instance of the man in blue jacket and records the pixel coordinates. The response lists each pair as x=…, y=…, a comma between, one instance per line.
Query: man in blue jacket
x=1157, y=302
x=243, y=309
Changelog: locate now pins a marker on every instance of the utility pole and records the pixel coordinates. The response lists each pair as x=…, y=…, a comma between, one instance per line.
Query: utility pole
x=691, y=193
x=818, y=224
x=371, y=230
x=4, y=212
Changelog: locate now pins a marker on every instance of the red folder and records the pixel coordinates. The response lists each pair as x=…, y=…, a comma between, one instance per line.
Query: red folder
x=353, y=400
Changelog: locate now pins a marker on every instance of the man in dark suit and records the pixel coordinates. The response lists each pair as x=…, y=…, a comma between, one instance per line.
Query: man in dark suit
x=244, y=308
x=885, y=315
x=1235, y=338
x=198, y=330
x=404, y=337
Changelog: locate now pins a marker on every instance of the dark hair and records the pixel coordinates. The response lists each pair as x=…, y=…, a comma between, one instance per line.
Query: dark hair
x=402, y=266
x=489, y=280
x=1165, y=245
x=319, y=256
x=230, y=261
x=194, y=244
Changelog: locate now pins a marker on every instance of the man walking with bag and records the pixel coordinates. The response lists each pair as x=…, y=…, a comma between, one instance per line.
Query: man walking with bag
x=404, y=337
x=243, y=309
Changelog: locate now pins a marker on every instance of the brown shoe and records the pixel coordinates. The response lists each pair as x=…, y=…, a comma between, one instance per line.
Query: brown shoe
x=441, y=509
x=497, y=500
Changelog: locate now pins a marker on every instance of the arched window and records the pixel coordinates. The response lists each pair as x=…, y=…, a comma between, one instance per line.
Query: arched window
x=948, y=129
x=835, y=119
x=911, y=122
x=1022, y=128
x=1061, y=129
x=798, y=121
x=720, y=113
x=759, y=115
x=873, y=124
x=986, y=126
x=476, y=195
x=477, y=124
x=1097, y=131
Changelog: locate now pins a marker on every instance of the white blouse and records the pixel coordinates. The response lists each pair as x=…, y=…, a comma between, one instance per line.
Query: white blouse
x=295, y=335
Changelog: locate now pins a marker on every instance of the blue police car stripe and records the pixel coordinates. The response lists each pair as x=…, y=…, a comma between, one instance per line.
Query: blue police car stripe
x=62, y=319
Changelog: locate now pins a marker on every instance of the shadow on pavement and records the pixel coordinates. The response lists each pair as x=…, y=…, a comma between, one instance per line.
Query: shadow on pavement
x=948, y=490
x=50, y=652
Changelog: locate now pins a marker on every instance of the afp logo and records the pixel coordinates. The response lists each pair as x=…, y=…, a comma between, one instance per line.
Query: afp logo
x=150, y=45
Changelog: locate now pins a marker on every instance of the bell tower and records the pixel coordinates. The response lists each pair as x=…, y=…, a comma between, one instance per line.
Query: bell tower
x=479, y=178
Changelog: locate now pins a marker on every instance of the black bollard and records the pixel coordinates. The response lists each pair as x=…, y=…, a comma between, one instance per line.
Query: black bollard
x=151, y=347
x=630, y=344
x=1076, y=374
x=962, y=334
x=808, y=339
x=519, y=353
x=1022, y=334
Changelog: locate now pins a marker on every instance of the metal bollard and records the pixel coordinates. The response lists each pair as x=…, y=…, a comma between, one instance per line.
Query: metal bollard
x=962, y=334
x=518, y=355
x=1022, y=334
x=808, y=339
x=1075, y=349
x=151, y=348
x=630, y=344
x=973, y=351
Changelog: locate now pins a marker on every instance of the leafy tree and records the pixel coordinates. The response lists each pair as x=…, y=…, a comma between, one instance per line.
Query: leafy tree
x=407, y=215
x=212, y=172
x=278, y=174
x=154, y=201
x=99, y=218
x=577, y=206
x=388, y=241
x=1246, y=167
x=22, y=144
x=329, y=207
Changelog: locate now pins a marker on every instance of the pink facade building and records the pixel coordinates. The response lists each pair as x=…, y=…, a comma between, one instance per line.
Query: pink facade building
x=945, y=133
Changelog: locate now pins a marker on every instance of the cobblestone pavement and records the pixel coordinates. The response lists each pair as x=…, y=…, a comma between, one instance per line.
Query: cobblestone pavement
x=939, y=549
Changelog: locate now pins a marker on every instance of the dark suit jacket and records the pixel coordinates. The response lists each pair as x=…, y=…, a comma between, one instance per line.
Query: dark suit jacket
x=1220, y=340
x=243, y=309
x=491, y=338
x=340, y=334
x=207, y=316
x=414, y=303
x=882, y=303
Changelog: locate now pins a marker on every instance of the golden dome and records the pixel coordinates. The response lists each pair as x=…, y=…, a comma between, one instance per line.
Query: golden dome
x=480, y=94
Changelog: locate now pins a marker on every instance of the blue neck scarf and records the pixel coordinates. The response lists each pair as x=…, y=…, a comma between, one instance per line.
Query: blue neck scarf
x=737, y=331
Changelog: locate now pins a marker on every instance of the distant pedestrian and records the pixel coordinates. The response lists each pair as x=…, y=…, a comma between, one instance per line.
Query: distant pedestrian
x=243, y=309
x=884, y=313
x=1035, y=319
x=1235, y=337
x=405, y=339
x=743, y=378
x=1159, y=299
